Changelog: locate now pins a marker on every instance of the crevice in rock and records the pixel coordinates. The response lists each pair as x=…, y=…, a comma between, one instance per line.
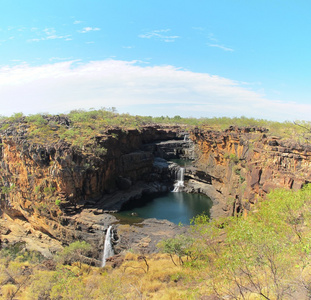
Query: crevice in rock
x=234, y=168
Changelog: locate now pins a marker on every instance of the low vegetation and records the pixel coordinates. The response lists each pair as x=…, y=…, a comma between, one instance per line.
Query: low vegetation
x=264, y=255
x=80, y=127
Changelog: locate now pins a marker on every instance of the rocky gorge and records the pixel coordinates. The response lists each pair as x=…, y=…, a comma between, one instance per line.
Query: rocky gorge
x=54, y=193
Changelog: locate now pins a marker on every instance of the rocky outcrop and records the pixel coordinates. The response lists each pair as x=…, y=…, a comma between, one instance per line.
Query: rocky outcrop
x=59, y=192
x=246, y=163
x=145, y=237
x=172, y=149
x=63, y=190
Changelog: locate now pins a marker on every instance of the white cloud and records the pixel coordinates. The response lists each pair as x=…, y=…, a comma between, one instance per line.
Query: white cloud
x=34, y=40
x=135, y=88
x=215, y=43
x=88, y=29
x=198, y=28
x=53, y=37
x=50, y=34
x=49, y=31
x=221, y=47
x=211, y=37
x=77, y=22
x=159, y=34
x=59, y=58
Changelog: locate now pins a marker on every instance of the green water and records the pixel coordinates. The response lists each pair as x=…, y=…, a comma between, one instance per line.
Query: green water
x=175, y=207
x=182, y=162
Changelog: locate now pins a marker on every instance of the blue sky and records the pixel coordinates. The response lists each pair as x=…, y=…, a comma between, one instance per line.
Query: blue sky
x=189, y=58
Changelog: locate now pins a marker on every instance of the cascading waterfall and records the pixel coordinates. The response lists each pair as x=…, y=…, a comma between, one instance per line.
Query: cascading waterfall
x=178, y=186
x=108, y=250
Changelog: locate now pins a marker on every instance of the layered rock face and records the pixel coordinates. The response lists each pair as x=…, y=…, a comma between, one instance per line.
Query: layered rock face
x=246, y=163
x=54, y=193
x=49, y=186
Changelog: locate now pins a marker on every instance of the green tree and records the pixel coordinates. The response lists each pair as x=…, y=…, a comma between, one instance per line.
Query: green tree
x=263, y=253
x=75, y=252
x=181, y=246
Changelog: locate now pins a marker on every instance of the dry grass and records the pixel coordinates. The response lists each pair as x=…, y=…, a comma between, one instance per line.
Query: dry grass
x=8, y=291
x=163, y=280
x=158, y=278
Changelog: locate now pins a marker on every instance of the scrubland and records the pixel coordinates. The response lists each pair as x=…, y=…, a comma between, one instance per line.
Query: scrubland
x=262, y=255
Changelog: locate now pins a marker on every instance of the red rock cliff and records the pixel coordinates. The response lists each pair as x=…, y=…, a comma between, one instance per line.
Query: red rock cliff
x=246, y=163
x=44, y=183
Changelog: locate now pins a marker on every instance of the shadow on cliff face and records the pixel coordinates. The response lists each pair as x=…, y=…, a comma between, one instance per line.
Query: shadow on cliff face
x=58, y=193
x=54, y=193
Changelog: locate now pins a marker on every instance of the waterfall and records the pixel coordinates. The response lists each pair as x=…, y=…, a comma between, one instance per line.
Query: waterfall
x=108, y=250
x=179, y=184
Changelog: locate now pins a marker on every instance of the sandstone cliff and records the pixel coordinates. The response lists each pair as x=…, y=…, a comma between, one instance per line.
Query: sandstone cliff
x=55, y=190
x=48, y=184
x=246, y=163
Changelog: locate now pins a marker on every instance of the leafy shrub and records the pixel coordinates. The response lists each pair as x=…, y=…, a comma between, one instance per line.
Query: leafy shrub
x=180, y=246
x=18, y=251
x=37, y=189
x=234, y=158
x=49, y=190
x=6, y=190
x=75, y=252
x=37, y=119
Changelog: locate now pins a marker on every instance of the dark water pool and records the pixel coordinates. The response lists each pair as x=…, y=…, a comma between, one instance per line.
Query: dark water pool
x=175, y=207
x=182, y=162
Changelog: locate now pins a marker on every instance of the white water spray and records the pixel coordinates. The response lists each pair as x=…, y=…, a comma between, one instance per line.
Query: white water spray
x=178, y=186
x=108, y=250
